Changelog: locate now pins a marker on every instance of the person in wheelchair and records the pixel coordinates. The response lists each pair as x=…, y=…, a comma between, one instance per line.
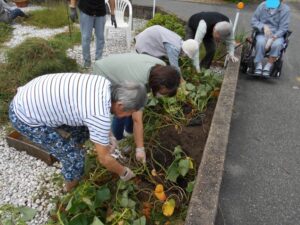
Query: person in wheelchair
x=271, y=21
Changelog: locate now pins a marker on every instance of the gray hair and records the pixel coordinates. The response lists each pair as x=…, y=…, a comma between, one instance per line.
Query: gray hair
x=133, y=96
x=223, y=28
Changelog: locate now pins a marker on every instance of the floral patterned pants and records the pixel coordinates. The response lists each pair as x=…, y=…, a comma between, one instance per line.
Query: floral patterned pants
x=66, y=150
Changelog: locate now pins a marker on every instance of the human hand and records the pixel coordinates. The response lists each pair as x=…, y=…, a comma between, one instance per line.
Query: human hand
x=113, y=20
x=233, y=58
x=140, y=154
x=128, y=174
x=73, y=14
x=267, y=31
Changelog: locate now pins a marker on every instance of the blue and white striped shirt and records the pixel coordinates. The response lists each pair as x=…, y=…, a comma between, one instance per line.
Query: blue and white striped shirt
x=67, y=98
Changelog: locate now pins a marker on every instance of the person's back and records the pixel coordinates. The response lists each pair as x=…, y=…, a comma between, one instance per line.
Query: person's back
x=128, y=66
x=151, y=41
x=210, y=18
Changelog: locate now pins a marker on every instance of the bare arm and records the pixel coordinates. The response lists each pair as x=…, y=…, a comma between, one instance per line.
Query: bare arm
x=107, y=160
x=73, y=3
x=112, y=7
x=138, y=128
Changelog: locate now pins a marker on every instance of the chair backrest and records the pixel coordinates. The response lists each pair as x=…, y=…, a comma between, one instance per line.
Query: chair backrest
x=120, y=7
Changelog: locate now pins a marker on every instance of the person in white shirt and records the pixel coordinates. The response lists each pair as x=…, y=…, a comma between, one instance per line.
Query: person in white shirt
x=80, y=104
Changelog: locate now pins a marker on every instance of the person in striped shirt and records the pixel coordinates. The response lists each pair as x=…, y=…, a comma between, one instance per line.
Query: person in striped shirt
x=145, y=69
x=80, y=104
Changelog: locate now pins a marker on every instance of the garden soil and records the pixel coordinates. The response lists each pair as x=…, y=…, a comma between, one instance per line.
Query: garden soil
x=192, y=139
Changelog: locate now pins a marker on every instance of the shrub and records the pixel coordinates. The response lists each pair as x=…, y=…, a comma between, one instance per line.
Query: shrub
x=170, y=22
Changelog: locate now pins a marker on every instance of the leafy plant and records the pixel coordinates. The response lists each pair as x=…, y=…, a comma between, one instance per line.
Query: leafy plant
x=170, y=22
x=11, y=215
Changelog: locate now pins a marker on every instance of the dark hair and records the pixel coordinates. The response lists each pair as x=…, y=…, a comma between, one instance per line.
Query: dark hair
x=164, y=76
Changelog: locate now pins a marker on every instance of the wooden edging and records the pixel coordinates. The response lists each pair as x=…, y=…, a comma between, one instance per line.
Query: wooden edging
x=203, y=206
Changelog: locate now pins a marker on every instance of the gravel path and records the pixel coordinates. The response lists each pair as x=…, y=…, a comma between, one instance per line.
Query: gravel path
x=27, y=181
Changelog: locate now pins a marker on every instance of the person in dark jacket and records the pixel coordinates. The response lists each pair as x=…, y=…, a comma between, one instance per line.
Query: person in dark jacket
x=210, y=27
x=92, y=15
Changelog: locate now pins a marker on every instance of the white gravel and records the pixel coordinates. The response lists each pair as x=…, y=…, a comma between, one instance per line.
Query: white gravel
x=25, y=180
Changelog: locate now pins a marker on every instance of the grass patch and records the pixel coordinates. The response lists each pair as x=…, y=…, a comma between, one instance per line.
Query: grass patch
x=32, y=58
x=5, y=32
x=66, y=40
x=53, y=16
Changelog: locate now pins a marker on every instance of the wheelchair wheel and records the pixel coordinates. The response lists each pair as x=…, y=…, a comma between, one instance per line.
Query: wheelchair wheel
x=245, y=57
x=277, y=68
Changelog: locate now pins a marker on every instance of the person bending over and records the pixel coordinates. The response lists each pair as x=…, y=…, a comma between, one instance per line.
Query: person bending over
x=79, y=104
x=209, y=28
x=152, y=72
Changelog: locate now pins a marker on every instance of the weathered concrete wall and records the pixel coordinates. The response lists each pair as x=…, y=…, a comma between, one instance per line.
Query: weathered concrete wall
x=204, y=202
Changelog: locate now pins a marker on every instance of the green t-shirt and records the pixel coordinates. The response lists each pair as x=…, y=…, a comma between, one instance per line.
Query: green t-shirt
x=126, y=67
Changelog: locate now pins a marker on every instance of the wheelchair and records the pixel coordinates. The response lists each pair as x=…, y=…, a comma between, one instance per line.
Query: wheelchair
x=248, y=55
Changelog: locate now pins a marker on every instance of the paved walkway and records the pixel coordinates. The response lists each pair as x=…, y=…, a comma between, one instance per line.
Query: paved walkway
x=261, y=183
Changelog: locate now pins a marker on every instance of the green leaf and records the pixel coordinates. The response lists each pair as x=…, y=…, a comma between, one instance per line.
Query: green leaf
x=172, y=172
x=6, y=222
x=190, y=186
x=27, y=213
x=153, y=102
x=190, y=87
x=87, y=201
x=103, y=194
x=131, y=203
x=80, y=219
x=96, y=221
x=69, y=206
x=183, y=166
x=140, y=221
x=177, y=151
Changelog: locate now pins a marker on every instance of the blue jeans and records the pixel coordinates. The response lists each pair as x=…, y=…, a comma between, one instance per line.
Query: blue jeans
x=67, y=151
x=87, y=23
x=261, y=41
x=173, y=55
x=14, y=13
x=121, y=124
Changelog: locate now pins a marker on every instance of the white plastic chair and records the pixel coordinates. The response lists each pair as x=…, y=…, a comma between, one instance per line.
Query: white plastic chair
x=120, y=7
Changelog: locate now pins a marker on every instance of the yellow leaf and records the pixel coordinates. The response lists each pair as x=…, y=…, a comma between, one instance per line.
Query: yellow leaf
x=159, y=192
x=168, y=207
x=191, y=165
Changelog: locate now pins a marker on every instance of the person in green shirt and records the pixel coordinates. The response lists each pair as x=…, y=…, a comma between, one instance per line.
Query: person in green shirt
x=159, y=78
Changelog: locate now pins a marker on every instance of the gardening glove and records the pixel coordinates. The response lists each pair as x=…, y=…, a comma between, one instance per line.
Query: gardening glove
x=73, y=14
x=113, y=20
x=140, y=154
x=233, y=58
x=267, y=31
x=128, y=174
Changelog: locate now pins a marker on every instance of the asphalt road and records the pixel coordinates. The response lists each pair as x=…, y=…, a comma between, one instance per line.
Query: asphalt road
x=261, y=183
